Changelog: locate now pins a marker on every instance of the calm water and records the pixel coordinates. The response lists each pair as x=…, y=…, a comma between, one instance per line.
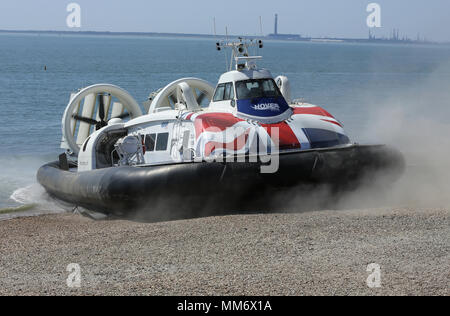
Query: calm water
x=340, y=77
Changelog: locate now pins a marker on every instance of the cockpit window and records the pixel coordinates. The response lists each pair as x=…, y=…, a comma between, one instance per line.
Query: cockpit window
x=161, y=143
x=259, y=88
x=229, y=91
x=224, y=92
x=149, y=141
x=220, y=91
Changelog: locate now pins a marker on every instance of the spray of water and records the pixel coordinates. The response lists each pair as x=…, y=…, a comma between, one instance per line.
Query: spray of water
x=20, y=195
x=417, y=122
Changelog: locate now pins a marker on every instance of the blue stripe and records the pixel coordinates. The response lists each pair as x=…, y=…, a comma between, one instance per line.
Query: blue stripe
x=322, y=138
x=256, y=107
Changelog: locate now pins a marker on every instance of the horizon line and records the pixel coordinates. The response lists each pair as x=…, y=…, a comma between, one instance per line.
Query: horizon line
x=298, y=37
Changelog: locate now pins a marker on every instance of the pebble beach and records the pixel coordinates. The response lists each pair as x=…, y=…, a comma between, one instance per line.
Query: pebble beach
x=316, y=253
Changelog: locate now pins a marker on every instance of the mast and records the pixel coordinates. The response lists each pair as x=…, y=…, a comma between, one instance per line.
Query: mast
x=240, y=53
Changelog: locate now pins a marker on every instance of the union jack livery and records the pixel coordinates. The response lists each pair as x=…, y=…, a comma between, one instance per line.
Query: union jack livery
x=309, y=127
x=192, y=143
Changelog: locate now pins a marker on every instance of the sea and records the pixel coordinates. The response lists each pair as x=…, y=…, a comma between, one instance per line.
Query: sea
x=39, y=71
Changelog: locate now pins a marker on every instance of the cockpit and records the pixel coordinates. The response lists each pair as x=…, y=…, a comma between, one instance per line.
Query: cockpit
x=257, y=88
x=247, y=89
x=250, y=93
x=259, y=98
x=224, y=92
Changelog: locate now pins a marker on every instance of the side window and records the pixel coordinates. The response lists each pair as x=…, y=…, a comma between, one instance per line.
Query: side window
x=220, y=91
x=243, y=90
x=162, y=141
x=270, y=89
x=229, y=91
x=150, y=142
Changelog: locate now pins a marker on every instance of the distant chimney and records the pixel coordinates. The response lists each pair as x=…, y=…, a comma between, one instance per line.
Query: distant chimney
x=276, y=24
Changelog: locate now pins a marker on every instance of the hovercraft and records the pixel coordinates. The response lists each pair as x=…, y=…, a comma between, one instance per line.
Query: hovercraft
x=203, y=150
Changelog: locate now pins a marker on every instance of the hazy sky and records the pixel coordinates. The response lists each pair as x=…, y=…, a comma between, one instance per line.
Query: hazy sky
x=337, y=18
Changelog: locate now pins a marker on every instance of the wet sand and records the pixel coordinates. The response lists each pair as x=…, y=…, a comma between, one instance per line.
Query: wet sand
x=317, y=253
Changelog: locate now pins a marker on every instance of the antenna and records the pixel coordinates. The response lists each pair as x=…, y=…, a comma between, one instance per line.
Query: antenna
x=226, y=54
x=215, y=32
x=240, y=53
x=261, y=26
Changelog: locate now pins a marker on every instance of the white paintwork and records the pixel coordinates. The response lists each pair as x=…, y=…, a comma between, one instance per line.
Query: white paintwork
x=285, y=87
x=246, y=74
x=223, y=106
x=157, y=127
x=185, y=94
x=153, y=118
x=115, y=121
x=233, y=76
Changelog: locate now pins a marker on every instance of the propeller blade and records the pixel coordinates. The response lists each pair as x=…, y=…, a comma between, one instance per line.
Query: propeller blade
x=201, y=97
x=123, y=116
x=173, y=99
x=85, y=119
x=101, y=108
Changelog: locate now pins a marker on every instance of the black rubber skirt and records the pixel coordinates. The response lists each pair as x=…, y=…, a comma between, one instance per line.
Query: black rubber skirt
x=211, y=188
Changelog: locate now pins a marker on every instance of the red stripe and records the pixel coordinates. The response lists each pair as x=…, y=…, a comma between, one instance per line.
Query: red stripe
x=219, y=122
x=311, y=110
x=287, y=138
x=333, y=122
x=235, y=145
x=214, y=122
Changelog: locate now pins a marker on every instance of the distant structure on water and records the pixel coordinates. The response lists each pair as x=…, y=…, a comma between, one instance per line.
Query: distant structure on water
x=276, y=35
x=394, y=38
x=276, y=25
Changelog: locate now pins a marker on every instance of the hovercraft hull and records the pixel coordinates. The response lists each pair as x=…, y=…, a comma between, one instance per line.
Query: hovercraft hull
x=189, y=190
